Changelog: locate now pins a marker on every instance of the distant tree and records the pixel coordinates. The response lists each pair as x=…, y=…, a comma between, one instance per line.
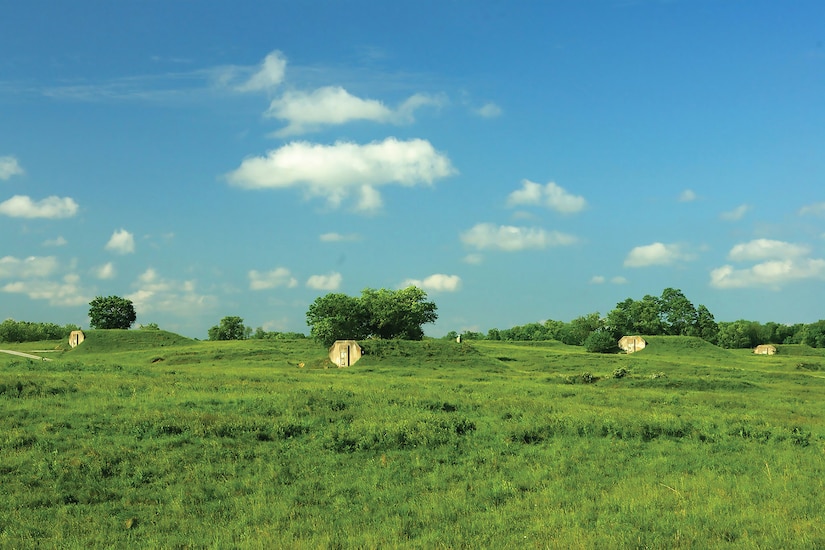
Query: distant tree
x=738, y=334
x=111, y=312
x=378, y=313
x=577, y=330
x=149, y=326
x=230, y=328
x=452, y=335
x=25, y=331
x=706, y=326
x=337, y=317
x=677, y=313
x=815, y=334
x=601, y=341
x=494, y=334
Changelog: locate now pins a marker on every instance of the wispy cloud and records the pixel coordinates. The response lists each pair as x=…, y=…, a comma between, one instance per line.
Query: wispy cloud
x=510, y=238
x=437, y=282
x=772, y=274
x=338, y=237
x=155, y=293
x=687, y=195
x=9, y=166
x=330, y=281
x=21, y=206
x=268, y=75
x=58, y=241
x=551, y=195
x=657, y=254
x=105, y=271
x=736, y=214
x=763, y=249
x=66, y=292
x=815, y=209
x=489, y=110
x=27, y=268
x=121, y=242
x=334, y=172
x=278, y=277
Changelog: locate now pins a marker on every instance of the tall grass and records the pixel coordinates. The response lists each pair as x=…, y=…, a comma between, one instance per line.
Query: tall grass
x=422, y=445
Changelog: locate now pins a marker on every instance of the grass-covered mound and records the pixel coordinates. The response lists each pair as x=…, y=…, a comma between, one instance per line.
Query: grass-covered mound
x=799, y=350
x=104, y=341
x=690, y=346
x=404, y=353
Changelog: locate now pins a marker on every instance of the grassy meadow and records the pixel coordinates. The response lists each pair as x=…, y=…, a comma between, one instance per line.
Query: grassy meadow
x=148, y=439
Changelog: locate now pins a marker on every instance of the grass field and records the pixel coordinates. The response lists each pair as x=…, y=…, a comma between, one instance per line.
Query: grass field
x=145, y=438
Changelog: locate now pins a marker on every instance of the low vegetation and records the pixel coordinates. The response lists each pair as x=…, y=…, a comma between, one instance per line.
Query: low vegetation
x=145, y=438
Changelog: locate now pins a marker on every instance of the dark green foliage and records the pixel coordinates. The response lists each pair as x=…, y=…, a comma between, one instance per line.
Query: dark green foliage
x=24, y=331
x=111, y=312
x=381, y=313
x=600, y=341
x=815, y=334
x=230, y=328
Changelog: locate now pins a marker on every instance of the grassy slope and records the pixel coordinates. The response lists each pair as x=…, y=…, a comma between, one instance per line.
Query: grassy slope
x=419, y=444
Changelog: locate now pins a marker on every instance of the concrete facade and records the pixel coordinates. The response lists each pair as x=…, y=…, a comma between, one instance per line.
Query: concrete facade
x=632, y=344
x=764, y=349
x=76, y=338
x=345, y=353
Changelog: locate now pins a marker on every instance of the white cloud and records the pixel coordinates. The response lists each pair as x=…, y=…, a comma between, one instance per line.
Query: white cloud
x=736, y=214
x=597, y=280
x=656, y=254
x=473, y=259
x=31, y=267
x=687, y=196
x=331, y=281
x=619, y=280
x=550, y=195
x=155, y=293
x=9, y=167
x=59, y=241
x=67, y=292
x=105, y=271
x=438, y=282
x=121, y=242
x=511, y=238
x=269, y=75
x=338, y=237
x=275, y=278
x=772, y=274
x=600, y=280
x=765, y=249
x=334, y=172
x=332, y=105
x=489, y=110
x=816, y=209
x=21, y=206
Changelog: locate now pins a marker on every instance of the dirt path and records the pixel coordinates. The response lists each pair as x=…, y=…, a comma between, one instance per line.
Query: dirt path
x=26, y=355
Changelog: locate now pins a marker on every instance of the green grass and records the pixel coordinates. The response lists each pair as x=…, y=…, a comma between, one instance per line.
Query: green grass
x=153, y=440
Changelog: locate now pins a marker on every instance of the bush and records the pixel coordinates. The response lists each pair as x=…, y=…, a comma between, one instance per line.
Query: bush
x=600, y=341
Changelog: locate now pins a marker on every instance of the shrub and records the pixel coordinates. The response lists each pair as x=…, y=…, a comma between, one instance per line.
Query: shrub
x=600, y=341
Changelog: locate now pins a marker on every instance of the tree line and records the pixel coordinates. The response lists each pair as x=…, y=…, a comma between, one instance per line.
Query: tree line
x=671, y=314
x=25, y=331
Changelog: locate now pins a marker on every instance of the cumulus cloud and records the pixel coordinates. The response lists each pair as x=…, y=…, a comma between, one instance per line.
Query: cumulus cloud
x=331, y=281
x=773, y=273
x=687, y=196
x=332, y=105
x=66, y=292
x=736, y=214
x=269, y=75
x=437, y=282
x=105, y=271
x=9, y=167
x=31, y=267
x=816, y=209
x=275, y=278
x=600, y=280
x=21, y=206
x=764, y=249
x=156, y=293
x=473, y=259
x=551, y=195
x=337, y=171
x=339, y=238
x=489, y=110
x=656, y=254
x=121, y=242
x=511, y=238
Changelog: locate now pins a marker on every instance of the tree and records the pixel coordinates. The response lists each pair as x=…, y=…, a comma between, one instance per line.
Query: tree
x=706, y=325
x=600, y=341
x=230, y=328
x=378, y=313
x=815, y=334
x=678, y=314
x=111, y=312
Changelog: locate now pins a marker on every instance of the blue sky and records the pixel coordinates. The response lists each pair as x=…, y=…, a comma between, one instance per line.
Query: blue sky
x=520, y=161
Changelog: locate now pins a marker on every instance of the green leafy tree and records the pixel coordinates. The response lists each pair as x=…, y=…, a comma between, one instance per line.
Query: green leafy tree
x=337, y=317
x=677, y=313
x=230, y=328
x=576, y=331
x=815, y=334
x=706, y=325
x=111, y=312
x=379, y=313
x=600, y=341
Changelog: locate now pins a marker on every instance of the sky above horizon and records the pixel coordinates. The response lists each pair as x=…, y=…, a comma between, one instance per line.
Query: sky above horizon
x=518, y=161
